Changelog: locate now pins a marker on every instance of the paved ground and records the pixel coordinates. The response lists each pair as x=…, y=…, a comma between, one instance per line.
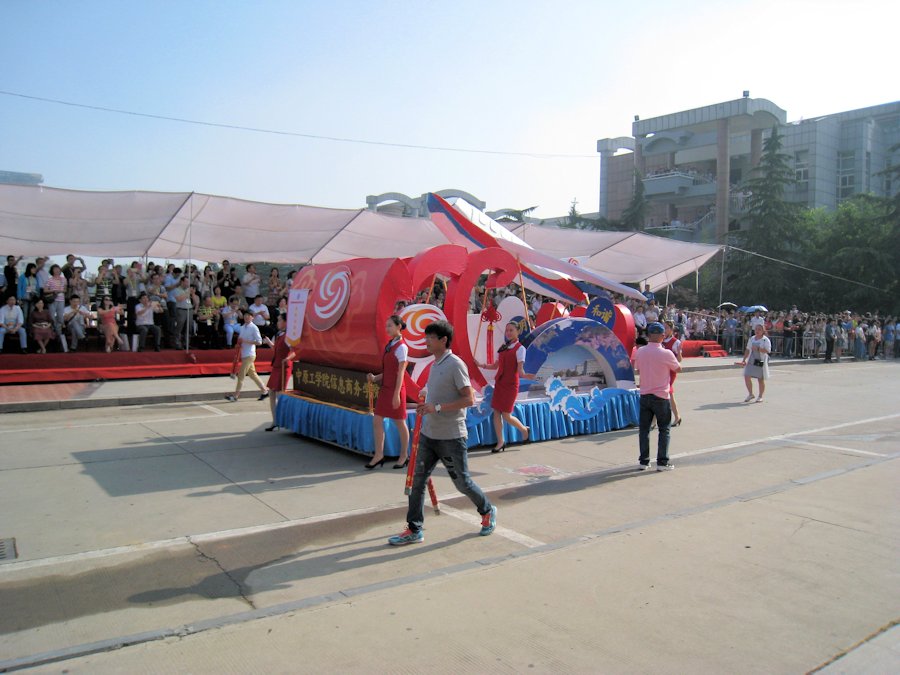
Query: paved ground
x=178, y=536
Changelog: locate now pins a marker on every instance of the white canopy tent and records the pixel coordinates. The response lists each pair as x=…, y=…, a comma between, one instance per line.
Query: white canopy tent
x=622, y=256
x=37, y=220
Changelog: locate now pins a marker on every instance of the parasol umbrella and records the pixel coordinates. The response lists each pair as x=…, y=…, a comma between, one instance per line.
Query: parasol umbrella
x=757, y=308
x=727, y=304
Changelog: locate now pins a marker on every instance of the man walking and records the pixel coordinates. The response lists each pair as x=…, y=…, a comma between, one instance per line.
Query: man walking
x=249, y=339
x=655, y=364
x=444, y=436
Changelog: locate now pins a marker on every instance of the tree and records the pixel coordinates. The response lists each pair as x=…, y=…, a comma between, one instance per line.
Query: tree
x=634, y=215
x=779, y=231
x=859, y=242
x=514, y=216
x=574, y=220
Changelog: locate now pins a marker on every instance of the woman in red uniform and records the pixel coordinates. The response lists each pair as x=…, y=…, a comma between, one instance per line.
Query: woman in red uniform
x=673, y=344
x=510, y=367
x=281, y=356
x=391, y=401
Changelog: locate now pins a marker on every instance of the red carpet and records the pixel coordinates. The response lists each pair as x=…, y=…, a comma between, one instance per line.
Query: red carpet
x=86, y=366
x=702, y=348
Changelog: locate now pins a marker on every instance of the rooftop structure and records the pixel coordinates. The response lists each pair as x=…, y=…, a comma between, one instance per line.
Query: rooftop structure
x=694, y=163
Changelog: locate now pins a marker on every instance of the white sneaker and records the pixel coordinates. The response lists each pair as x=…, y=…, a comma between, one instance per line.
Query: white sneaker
x=643, y=467
x=748, y=399
x=665, y=467
x=759, y=399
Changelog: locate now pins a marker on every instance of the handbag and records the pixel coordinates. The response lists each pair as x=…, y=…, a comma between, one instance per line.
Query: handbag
x=759, y=363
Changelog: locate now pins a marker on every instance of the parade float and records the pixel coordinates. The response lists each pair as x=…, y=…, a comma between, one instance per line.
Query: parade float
x=578, y=353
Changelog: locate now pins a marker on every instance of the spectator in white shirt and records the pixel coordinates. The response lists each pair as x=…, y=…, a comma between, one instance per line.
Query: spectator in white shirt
x=13, y=321
x=250, y=282
x=640, y=321
x=260, y=312
x=76, y=319
x=144, y=311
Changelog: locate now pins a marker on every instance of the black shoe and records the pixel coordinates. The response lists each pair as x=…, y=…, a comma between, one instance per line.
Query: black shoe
x=263, y=396
x=402, y=466
x=272, y=428
x=376, y=464
x=502, y=448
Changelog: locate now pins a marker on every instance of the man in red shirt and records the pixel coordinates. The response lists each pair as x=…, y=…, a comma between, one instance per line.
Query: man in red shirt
x=654, y=363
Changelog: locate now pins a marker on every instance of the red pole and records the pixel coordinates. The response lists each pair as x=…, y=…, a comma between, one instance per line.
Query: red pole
x=433, y=494
x=411, y=469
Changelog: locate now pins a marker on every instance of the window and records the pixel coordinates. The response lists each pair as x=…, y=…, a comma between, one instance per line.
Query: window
x=846, y=175
x=801, y=169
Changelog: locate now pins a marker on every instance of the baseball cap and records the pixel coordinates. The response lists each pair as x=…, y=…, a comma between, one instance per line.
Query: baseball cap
x=655, y=328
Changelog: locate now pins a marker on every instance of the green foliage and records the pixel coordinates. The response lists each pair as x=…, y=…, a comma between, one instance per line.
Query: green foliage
x=860, y=241
x=634, y=215
x=779, y=230
x=515, y=216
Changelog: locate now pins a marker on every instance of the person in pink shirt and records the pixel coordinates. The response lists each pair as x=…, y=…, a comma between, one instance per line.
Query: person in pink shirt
x=655, y=365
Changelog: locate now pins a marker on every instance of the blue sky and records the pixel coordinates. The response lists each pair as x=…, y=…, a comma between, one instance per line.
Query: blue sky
x=513, y=76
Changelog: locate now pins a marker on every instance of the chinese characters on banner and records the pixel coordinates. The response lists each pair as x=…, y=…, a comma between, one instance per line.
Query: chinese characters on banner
x=297, y=299
x=602, y=309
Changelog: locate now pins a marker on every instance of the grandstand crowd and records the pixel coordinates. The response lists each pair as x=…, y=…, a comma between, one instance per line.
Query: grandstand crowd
x=48, y=306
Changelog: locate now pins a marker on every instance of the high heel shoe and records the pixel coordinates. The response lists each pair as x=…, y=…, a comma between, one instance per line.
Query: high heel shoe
x=502, y=448
x=677, y=423
x=376, y=464
x=272, y=428
x=402, y=466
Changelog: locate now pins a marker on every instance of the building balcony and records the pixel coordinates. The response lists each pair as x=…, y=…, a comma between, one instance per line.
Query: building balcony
x=679, y=184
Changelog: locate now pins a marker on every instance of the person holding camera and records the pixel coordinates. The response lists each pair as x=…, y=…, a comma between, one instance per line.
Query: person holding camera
x=756, y=362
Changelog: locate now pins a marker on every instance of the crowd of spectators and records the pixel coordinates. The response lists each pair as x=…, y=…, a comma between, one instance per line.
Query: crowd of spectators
x=793, y=333
x=51, y=306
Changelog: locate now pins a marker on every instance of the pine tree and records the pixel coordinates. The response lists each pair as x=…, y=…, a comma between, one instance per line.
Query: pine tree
x=634, y=215
x=778, y=230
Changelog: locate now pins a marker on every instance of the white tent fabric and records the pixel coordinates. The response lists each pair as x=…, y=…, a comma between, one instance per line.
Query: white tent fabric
x=631, y=257
x=37, y=220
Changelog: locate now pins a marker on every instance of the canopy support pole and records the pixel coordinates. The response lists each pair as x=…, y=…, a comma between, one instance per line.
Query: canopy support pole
x=719, y=324
x=187, y=271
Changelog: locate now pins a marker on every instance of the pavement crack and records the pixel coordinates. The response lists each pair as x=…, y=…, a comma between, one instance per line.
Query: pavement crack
x=237, y=584
x=824, y=522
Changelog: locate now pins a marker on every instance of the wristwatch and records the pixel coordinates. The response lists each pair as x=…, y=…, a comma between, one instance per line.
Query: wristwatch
x=437, y=407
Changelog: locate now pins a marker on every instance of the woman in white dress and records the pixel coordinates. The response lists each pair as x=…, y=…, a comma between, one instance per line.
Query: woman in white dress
x=756, y=362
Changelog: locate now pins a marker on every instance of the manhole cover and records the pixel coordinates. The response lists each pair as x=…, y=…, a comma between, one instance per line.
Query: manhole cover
x=8, y=549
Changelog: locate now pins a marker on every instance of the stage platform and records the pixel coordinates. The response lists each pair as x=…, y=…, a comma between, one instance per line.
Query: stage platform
x=89, y=366
x=352, y=430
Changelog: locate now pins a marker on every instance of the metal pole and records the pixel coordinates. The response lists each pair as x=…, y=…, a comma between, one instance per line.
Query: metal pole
x=721, y=282
x=190, y=317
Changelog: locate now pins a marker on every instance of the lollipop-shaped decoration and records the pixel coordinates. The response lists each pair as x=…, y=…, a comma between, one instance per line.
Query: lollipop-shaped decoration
x=417, y=318
x=329, y=300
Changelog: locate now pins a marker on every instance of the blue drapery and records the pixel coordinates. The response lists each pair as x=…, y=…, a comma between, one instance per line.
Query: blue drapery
x=353, y=430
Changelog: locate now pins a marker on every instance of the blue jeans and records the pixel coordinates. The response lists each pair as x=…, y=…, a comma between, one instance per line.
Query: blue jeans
x=453, y=454
x=788, y=350
x=729, y=342
x=660, y=408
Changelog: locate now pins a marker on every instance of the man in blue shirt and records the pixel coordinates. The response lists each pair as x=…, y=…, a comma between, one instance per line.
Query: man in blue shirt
x=730, y=332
